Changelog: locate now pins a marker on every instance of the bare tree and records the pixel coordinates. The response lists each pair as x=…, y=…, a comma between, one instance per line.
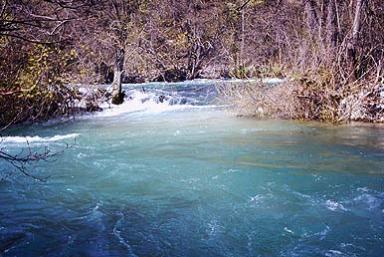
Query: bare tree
x=312, y=17
x=20, y=162
x=39, y=21
x=332, y=28
x=111, y=21
x=353, y=42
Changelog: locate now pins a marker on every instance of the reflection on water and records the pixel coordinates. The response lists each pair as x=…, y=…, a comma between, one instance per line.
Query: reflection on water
x=192, y=181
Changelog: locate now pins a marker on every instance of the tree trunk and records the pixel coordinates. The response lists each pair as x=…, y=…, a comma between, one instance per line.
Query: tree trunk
x=242, y=45
x=312, y=17
x=352, y=44
x=332, y=33
x=117, y=92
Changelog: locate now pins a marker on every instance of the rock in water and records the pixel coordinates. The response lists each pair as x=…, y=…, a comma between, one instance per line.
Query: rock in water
x=118, y=98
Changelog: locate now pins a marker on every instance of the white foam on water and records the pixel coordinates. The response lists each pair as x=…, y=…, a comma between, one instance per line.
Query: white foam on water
x=324, y=232
x=333, y=206
x=231, y=171
x=321, y=235
x=332, y=253
x=213, y=228
x=362, y=189
x=288, y=230
x=35, y=139
x=96, y=216
x=352, y=246
x=148, y=103
x=371, y=201
x=257, y=199
x=117, y=233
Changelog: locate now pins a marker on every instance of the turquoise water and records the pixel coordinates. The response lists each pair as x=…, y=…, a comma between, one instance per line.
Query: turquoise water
x=190, y=179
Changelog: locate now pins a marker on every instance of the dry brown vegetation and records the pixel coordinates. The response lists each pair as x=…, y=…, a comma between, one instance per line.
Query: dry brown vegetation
x=331, y=51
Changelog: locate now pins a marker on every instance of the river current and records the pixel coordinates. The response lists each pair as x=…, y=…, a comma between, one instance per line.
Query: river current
x=172, y=172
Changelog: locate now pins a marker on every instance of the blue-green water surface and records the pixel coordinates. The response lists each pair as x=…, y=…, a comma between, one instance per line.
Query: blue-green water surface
x=193, y=180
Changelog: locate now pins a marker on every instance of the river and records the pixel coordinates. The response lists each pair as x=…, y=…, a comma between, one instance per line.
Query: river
x=172, y=172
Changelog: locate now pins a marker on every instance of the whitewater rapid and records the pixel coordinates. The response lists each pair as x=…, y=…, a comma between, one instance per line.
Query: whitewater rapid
x=25, y=140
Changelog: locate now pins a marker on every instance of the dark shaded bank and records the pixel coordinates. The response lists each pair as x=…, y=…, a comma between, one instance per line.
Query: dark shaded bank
x=20, y=107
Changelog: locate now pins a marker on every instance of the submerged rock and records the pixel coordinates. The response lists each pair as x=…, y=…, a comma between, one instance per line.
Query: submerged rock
x=162, y=98
x=118, y=98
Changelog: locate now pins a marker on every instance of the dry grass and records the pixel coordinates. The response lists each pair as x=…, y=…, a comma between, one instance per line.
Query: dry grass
x=259, y=100
x=306, y=100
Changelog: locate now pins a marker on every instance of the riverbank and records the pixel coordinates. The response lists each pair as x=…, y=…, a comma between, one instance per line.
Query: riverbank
x=300, y=100
x=259, y=98
x=271, y=98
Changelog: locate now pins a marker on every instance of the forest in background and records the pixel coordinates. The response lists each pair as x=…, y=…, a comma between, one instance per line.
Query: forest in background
x=330, y=51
